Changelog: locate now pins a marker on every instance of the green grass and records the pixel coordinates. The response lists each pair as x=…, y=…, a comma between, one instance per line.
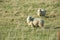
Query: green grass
x=13, y=14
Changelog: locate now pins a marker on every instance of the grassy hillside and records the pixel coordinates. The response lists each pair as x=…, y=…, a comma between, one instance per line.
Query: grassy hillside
x=13, y=14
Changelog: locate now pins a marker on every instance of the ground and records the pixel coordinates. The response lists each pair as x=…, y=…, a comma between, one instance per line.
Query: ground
x=13, y=14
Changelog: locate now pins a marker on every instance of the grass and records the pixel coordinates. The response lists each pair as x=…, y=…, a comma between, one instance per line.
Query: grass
x=13, y=14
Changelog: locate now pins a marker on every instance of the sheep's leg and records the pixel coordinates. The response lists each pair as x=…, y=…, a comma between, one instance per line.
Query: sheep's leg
x=39, y=25
x=32, y=25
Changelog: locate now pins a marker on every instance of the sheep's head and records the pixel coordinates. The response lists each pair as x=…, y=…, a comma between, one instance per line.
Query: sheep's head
x=29, y=19
x=43, y=12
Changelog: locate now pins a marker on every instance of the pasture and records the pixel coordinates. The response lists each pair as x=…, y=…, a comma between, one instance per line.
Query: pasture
x=13, y=14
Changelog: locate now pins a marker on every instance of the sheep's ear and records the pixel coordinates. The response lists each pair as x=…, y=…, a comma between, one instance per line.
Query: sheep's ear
x=40, y=10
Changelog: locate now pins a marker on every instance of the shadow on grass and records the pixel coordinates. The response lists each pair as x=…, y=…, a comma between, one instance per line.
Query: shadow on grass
x=57, y=28
x=50, y=16
x=47, y=27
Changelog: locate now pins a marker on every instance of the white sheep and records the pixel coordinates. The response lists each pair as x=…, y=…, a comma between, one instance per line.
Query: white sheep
x=35, y=22
x=41, y=12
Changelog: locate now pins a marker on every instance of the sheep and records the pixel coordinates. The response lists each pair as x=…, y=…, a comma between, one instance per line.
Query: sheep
x=41, y=12
x=35, y=22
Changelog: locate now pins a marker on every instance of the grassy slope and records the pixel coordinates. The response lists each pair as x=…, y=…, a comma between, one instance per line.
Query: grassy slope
x=13, y=15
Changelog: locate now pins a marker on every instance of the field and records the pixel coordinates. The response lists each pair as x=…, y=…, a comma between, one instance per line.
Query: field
x=13, y=14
